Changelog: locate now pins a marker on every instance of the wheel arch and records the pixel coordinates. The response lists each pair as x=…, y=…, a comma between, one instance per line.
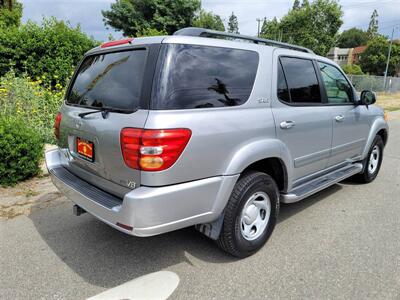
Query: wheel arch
x=379, y=127
x=274, y=167
x=269, y=156
x=383, y=133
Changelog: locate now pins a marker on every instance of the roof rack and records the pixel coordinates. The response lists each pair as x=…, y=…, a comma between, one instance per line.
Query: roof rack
x=201, y=32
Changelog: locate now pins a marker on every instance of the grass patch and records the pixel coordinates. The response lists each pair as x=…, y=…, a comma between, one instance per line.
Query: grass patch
x=392, y=108
x=389, y=101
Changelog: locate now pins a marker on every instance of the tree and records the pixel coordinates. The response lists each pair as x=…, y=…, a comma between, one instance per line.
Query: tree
x=314, y=25
x=208, y=20
x=305, y=3
x=271, y=29
x=10, y=13
x=296, y=5
x=134, y=17
x=373, y=25
x=352, y=38
x=352, y=70
x=373, y=60
x=233, y=24
x=7, y=4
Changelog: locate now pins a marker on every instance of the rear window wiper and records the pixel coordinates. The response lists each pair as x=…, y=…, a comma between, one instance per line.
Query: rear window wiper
x=105, y=111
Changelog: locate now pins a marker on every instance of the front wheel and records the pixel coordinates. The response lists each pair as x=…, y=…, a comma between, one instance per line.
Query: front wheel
x=250, y=215
x=372, y=162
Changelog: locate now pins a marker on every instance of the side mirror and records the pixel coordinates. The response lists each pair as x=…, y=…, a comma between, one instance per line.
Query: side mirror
x=367, y=98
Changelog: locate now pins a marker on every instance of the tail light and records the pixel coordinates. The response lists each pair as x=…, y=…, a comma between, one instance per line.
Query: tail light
x=153, y=150
x=57, y=123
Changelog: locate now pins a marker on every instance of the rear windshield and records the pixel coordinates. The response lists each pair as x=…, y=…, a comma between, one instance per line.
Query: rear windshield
x=111, y=80
x=199, y=77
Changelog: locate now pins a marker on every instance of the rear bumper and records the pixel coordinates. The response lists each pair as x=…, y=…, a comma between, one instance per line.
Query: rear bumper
x=148, y=210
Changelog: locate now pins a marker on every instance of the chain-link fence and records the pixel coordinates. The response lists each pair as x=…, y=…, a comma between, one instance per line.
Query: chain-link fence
x=375, y=83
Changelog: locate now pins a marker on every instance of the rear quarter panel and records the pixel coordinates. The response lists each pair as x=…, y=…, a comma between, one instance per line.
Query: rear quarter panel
x=217, y=136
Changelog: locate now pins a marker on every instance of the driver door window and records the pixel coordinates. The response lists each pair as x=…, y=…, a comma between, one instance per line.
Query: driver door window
x=337, y=87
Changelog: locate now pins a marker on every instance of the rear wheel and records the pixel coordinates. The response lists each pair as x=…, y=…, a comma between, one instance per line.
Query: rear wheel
x=250, y=215
x=372, y=163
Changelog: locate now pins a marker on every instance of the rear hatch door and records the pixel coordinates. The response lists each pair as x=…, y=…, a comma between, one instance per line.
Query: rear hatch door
x=110, y=91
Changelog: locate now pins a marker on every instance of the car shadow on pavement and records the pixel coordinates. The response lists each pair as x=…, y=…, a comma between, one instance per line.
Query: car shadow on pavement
x=105, y=257
x=288, y=210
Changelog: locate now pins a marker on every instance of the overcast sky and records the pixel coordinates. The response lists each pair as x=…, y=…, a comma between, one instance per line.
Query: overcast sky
x=88, y=13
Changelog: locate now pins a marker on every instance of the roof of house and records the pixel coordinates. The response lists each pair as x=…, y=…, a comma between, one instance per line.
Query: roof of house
x=359, y=49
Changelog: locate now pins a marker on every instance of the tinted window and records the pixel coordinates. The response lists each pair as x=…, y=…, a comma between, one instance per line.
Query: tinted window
x=302, y=80
x=283, y=91
x=337, y=87
x=200, y=77
x=111, y=80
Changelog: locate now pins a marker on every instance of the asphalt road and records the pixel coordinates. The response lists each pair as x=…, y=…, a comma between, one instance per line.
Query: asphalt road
x=343, y=242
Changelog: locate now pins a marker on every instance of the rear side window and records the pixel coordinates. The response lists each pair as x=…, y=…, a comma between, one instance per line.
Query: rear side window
x=201, y=77
x=301, y=80
x=111, y=80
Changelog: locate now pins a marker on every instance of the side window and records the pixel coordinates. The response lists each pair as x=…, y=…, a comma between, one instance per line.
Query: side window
x=204, y=77
x=337, y=87
x=283, y=91
x=301, y=80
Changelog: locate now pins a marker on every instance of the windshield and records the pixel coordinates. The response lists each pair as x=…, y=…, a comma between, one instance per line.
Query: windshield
x=111, y=80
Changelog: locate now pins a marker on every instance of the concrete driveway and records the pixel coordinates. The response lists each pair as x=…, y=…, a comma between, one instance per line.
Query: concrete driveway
x=343, y=242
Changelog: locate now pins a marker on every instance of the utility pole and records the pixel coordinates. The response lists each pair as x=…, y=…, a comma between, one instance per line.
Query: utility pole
x=258, y=31
x=388, y=60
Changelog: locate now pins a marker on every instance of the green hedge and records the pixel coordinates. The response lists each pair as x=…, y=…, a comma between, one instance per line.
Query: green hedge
x=51, y=49
x=21, y=149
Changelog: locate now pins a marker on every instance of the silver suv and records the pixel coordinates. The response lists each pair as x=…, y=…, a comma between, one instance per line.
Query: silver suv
x=209, y=129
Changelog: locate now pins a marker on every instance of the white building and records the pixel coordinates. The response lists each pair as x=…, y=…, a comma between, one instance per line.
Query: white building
x=341, y=56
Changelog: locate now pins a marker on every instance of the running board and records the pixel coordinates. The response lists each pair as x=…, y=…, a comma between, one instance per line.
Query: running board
x=320, y=183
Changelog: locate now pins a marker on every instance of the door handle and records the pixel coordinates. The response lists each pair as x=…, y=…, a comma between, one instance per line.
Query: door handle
x=287, y=124
x=339, y=118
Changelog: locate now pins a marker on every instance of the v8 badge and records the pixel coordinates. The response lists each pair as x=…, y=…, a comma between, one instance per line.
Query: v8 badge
x=131, y=184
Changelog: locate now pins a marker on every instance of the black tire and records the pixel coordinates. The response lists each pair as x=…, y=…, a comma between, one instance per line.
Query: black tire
x=366, y=176
x=231, y=239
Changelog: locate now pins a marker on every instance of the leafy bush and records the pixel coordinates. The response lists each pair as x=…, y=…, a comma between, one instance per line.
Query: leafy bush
x=51, y=49
x=30, y=101
x=21, y=149
x=352, y=70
